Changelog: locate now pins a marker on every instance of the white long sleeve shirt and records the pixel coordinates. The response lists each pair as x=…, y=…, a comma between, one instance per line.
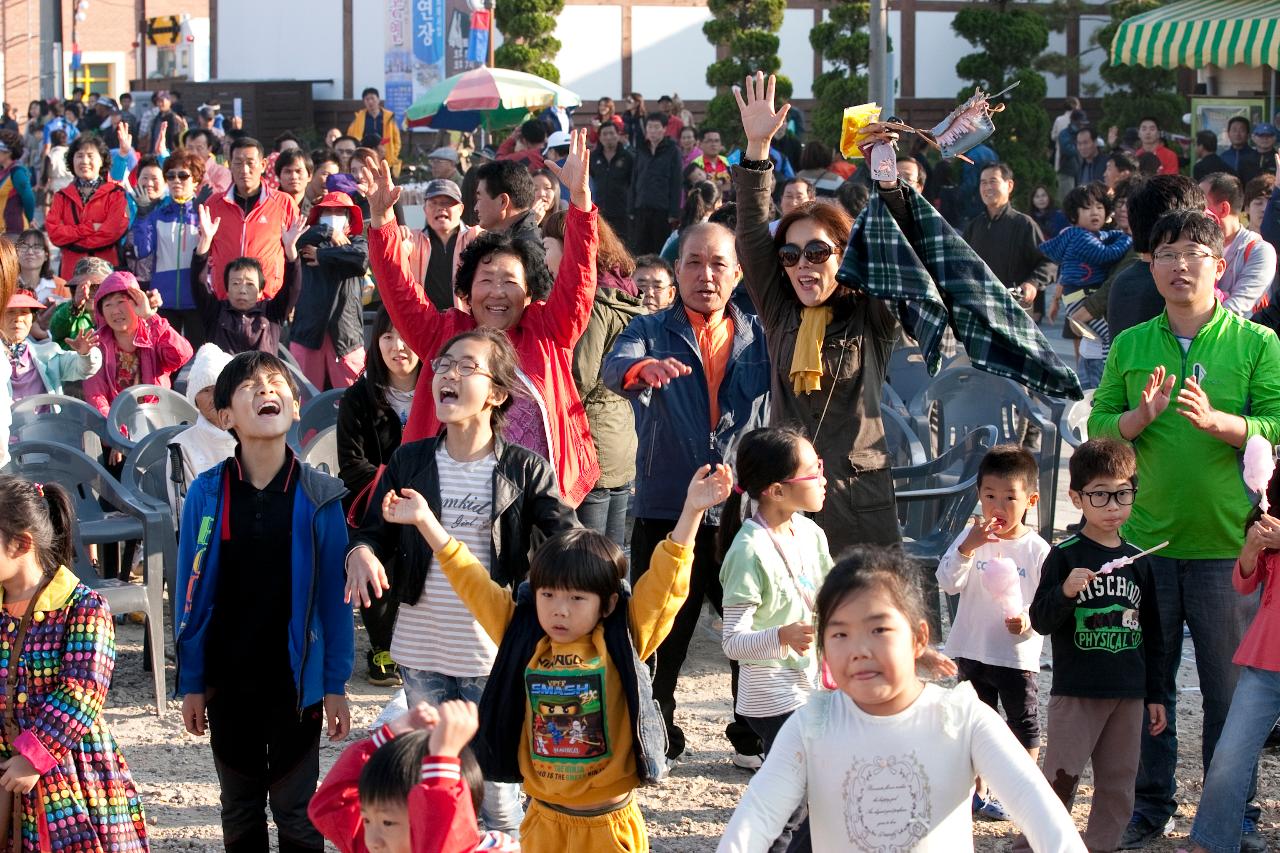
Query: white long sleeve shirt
x=898, y=783
x=979, y=632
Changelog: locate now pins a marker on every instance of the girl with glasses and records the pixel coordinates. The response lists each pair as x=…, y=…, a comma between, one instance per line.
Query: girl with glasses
x=35, y=270
x=487, y=493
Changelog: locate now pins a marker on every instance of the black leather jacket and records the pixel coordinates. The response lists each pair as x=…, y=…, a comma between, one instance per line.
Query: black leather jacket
x=525, y=498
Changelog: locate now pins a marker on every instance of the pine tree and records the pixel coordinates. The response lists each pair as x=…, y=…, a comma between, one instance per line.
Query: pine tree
x=1137, y=91
x=1010, y=40
x=747, y=29
x=527, y=44
x=842, y=40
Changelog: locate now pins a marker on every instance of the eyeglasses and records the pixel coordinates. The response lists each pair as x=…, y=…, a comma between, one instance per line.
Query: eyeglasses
x=815, y=252
x=1123, y=497
x=1169, y=259
x=30, y=247
x=466, y=367
x=653, y=288
x=176, y=176
x=808, y=477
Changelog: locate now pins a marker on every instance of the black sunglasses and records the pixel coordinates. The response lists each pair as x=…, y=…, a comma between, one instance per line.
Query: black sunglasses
x=815, y=252
x=176, y=176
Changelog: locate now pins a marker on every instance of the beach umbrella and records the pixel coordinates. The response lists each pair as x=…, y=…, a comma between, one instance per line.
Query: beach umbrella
x=486, y=97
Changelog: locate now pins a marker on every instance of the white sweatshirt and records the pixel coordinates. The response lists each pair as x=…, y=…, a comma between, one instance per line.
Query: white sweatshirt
x=979, y=632
x=898, y=783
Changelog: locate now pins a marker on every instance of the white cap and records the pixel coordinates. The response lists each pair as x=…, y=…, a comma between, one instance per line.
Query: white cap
x=559, y=139
x=205, y=369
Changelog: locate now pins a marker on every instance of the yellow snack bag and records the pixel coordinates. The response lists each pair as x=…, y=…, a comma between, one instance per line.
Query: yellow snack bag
x=855, y=120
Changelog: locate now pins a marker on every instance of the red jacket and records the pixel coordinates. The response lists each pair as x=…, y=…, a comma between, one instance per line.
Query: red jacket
x=544, y=339
x=441, y=818
x=257, y=235
x=531, y=157
x=70, y=224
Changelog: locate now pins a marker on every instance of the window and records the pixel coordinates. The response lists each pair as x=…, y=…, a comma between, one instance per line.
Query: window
x=95, y=77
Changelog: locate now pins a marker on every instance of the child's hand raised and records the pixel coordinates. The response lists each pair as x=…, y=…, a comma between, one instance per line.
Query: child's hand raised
x=458, y=723
x=1077, y=581
x=980, y=532
x=709, y=487
x=420, y=716
x=408, y=507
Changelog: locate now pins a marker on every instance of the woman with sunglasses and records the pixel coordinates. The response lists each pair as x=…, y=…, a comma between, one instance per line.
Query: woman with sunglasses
x=829, y=346
x=164, y=241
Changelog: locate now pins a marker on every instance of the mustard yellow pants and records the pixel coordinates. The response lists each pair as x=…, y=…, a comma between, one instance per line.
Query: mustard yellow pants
x=546, y=830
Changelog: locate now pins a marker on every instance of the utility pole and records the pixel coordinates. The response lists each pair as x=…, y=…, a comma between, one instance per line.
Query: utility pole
x=878, y=82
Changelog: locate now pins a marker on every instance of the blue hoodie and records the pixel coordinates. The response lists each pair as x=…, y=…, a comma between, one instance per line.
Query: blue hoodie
x=321, y=633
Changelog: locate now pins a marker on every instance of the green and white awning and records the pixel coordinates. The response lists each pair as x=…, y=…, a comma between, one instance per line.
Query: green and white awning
x=1196, y=33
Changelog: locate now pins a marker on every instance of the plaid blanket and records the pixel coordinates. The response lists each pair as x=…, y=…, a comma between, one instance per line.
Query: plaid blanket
x=945, y=284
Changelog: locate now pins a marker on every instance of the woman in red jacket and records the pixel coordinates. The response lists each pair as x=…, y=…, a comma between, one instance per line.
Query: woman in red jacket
x=503, y=290
x=89, y=216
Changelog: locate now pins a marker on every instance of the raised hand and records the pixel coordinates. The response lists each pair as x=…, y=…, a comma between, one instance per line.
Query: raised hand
x=1157, y=393
x=408, y=507
x=760, y=120
x=162, y=133
x=208, y=227
x=84, y=342
x=288, y=237
x=709, y=487
x=1194, y=405
x=125, y=137
x=576, y=171
x=142, y=303
x=459, y=721
x=383, y=192
x=420, y=716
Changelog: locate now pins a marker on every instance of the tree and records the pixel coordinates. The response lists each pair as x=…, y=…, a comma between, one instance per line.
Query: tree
x=747, y=31
x=527, y=44
x=1137, y=91
x=843, y=41
x=1010, y=40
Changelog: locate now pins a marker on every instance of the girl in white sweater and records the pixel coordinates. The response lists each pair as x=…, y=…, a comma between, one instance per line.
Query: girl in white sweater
x=885, y=762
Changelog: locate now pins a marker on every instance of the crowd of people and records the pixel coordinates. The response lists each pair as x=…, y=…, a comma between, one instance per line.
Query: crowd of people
x=651, y=375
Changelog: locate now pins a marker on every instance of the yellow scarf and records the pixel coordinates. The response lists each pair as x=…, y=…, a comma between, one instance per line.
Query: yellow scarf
x=806, y=361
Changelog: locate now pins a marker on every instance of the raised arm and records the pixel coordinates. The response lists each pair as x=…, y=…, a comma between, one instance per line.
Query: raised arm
x=565, y=314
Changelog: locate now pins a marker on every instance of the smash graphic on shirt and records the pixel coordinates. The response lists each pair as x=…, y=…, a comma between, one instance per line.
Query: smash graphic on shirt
x=566, y=698
x=1114, y=628
x=887, y=804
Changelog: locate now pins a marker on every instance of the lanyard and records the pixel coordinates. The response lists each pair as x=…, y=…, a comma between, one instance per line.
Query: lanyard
x=805, y=588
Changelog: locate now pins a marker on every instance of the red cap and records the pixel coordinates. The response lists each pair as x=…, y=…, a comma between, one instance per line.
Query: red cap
x=25, y=299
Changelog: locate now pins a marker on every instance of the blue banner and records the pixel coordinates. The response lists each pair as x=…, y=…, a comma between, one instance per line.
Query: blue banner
x=428, y=31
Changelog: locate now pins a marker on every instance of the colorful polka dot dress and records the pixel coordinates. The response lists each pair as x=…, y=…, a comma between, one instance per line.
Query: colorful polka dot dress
x=85, y=799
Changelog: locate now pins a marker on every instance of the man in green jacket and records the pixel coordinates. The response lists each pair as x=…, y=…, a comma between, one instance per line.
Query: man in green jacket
x=1188, y=388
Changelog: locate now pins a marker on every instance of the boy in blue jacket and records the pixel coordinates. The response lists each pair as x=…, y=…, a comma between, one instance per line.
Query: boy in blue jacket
x=264, y=641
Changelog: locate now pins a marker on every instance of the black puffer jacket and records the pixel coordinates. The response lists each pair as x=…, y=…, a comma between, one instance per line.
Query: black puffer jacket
x=657, y=178
x=368, y=433
x=525, y=498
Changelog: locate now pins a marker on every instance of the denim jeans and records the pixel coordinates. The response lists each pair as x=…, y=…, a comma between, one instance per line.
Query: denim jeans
x=1090, y=371
x=1199, y=593
x=1255, y=707
x=605, y=511
x=502, y=809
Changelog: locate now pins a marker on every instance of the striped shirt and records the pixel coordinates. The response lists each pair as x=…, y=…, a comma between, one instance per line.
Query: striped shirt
x=438, y=633
x=763, y=691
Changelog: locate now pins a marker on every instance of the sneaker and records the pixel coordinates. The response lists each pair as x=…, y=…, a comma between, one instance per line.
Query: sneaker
x=1251, y=841
x=989, y=808
x=1140, y=832
x=383, y=671
x=747, y=762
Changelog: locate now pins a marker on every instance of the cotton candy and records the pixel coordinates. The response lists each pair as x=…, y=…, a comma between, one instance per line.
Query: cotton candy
x=1259, y=465
x=1000, y=579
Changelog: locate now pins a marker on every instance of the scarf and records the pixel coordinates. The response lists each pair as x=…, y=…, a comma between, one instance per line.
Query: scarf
x=87, y=188
x=934, y=280
x=806, y=361
x=15, y=351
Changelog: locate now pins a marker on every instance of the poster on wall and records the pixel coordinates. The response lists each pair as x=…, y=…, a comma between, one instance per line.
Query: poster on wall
x=426, y=41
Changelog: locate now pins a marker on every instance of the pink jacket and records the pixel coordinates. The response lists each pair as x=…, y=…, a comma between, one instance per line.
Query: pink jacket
x=161, y=350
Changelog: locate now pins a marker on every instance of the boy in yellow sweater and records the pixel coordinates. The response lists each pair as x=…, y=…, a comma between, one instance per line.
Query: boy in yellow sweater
x=568, y=709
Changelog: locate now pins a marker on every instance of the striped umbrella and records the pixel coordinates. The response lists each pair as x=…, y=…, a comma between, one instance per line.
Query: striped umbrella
x=486, y=97
x=1196, y=33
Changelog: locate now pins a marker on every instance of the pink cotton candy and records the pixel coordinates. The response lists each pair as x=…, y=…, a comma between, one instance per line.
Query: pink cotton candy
x=1000, y=579
x=1259, y=465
